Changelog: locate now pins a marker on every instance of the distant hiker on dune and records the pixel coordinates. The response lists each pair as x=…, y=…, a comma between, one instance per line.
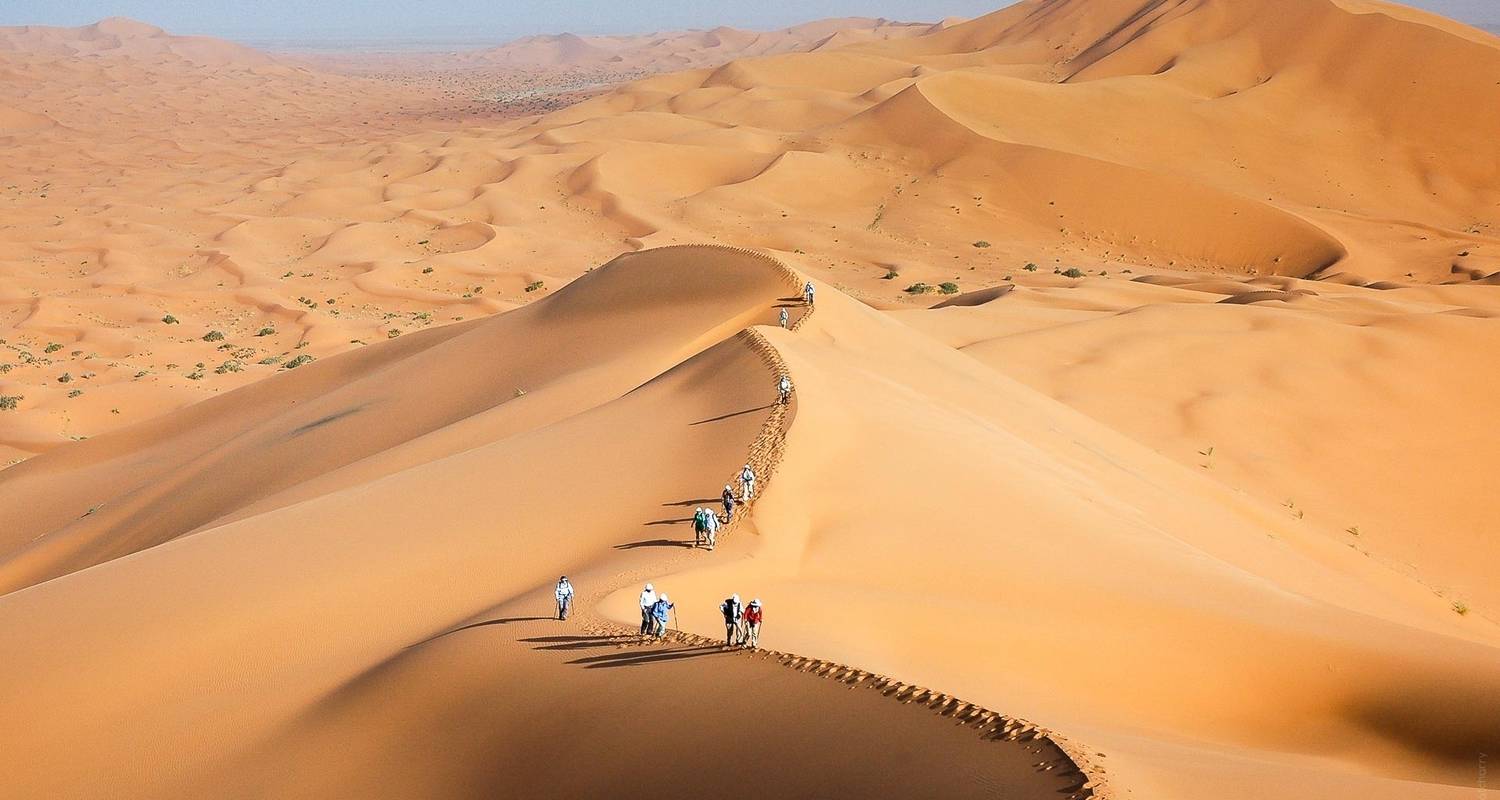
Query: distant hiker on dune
x=753, y=616
x=564, y=597
x=784, y=390
x=807, y=293
x=711, y=520
x=733, y=612
x=728, y=498
x=784, y=317
x=659, y=611
x=648, y=601
x=747, y=484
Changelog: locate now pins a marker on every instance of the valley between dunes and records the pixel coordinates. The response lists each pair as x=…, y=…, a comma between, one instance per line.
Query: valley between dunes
x=315, y=379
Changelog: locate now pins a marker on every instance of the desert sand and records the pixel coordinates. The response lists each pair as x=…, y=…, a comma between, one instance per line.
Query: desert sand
x=1137, y=448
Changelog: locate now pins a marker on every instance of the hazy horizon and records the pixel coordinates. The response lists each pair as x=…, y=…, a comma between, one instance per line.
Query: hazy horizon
x=454, y=22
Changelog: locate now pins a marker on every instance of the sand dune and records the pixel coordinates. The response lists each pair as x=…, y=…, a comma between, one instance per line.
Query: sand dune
x=1143, y=401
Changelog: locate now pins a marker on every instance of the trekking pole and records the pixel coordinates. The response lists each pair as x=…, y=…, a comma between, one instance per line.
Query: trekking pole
x=675, y=624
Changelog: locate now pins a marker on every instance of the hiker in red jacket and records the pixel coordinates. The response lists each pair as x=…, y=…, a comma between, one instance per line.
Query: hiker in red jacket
x=753, y=616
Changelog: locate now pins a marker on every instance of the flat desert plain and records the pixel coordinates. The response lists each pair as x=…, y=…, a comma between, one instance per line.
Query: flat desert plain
x=1138, y=444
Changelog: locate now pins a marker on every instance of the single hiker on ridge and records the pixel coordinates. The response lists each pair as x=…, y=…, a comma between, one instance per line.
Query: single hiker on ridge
x=784, y=389
x=807, y=293
x=747, y=484
x=648, y=600
x=728, y=498
x=753, y=617
x=564, y=597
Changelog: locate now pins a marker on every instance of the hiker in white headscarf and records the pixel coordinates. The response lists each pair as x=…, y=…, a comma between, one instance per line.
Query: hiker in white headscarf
x=648, y=599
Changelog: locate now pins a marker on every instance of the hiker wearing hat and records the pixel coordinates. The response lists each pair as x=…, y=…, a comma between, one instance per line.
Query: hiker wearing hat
x=659, y=611
x=728, y=498
x=700, y=525
x=648, y=600
x=784, y=317
x=733, y=612
x=784, y=390
x=753, y=616
x=807, y=293
x=564, y=597
x=747, y=484
x=711, y=526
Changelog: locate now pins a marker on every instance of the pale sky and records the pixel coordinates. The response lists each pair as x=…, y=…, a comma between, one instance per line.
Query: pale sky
x=293, y=19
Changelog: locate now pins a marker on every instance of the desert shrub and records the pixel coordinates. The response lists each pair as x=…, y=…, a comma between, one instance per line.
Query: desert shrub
x=427, y=270
x=890, y=275
x=266, y=331
x=213, y=336
x=9, y=402
x=981, y=243
x=195, y=375
x=530, y=287
x=1030, y=267
x=52, y=348
x=270, y=360
x=948, y=287
x=75, y=393
x=1072, y=272
x=1460, y=607
x=393, y=333
x=169, y=319
x=65, y=378
x=228, y=366
x=918, y=288
x=4, y=368
x=298, y=361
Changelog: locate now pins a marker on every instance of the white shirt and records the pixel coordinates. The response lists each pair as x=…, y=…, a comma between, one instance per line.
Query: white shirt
x=648, y=598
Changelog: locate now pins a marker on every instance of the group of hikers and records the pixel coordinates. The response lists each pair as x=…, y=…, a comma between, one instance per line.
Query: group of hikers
x=741, y=622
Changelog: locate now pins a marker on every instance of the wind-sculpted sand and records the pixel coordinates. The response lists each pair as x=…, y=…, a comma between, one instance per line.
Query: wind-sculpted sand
x=1137, y=447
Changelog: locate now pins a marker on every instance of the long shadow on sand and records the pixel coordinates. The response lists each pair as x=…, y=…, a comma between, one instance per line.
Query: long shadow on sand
x=672, y=521
x=637, y=659
x=733, y=414
x=694, y=502
x=653, y=543
x=578, y=642
x=485, y=623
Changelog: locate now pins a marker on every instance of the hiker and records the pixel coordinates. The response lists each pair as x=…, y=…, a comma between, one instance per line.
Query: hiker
x=700, y=524
x=807, y=293
x=784, y=316
x=747, y=484
x=753, y=616
x=784, y=389
x=564, y=597
x=711, y=527
x=648, y=600
x=728, y=498
x=659, y=611
x=733, y=612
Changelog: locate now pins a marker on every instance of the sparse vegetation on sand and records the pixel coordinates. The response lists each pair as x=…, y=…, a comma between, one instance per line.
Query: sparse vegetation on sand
x=919, y=288
x=9, y=402
x=948, y=287
x=298, y=361
x=213, y=336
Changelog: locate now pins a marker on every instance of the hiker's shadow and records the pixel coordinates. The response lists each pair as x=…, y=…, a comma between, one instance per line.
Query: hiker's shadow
x=732, y=414
x=654, y=543
x=610, y=660
x=578, y=642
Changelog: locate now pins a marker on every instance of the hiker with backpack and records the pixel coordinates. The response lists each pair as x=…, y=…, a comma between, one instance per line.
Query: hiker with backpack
x=733, y=612
x=807, y=293
x=700, y=525
x=753, y=617
x=728, y=498
x=747, y=484
x=711, y=526
x=659, y=611
x=784, y=317
x=648, y=602
x=564, y=594
x=784, y=389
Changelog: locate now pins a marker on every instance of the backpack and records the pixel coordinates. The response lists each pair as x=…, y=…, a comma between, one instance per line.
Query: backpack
x=731, y=610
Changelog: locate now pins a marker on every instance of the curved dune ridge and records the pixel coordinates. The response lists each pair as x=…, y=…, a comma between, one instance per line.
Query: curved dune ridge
x=377, y=514
x=294, y=735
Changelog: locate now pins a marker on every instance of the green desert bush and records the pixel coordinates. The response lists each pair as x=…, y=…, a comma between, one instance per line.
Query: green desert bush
x=918, y=288
x=213, y=336
x=298, y=361
x=948, y=287
x=169, y=319
x=1072, y=272
x=8, y=402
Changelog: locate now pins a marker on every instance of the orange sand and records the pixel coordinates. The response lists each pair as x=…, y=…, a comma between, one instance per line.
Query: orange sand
x=1213, y=512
